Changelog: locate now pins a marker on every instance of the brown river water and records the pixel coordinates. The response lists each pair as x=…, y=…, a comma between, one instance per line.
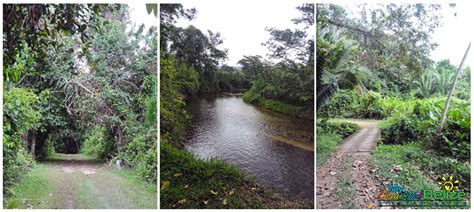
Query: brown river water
x=272, y=147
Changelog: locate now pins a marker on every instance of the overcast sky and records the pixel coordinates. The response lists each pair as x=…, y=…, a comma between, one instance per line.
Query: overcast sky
x=139, y=15
x=455, y=34
x=242, y=24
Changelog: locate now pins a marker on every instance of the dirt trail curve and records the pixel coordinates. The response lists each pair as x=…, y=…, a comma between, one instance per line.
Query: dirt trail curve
x=364, y=140
x=350, y=161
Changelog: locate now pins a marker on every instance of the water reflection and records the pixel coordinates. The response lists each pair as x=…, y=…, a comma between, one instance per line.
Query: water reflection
x=244, y=135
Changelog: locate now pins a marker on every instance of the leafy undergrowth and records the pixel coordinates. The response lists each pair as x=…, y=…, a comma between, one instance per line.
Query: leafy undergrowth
x=253, y=97
x=188, y=182
x=416, y=167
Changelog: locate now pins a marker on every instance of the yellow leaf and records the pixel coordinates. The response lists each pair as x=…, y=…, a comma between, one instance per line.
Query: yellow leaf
x=214, y=192
x=165, y=185
x=231, y=192
x=205, y=202
x=224, y=202
x=181, y=202
x=370, y=205
x=178, y=174
x=186, y=186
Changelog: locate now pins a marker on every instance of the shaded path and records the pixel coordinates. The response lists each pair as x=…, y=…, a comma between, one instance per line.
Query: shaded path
x=349, y=165
x=75, y=181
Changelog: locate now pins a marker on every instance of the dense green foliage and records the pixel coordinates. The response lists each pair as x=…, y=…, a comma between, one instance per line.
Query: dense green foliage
x=417, y=120
x=97, y=143
x=342, y=128
x=19, y=116
x=373, y=62
x=350, y=104
x=78, y=76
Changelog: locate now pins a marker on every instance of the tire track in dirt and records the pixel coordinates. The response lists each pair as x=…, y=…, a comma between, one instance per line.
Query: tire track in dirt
x=356, y=150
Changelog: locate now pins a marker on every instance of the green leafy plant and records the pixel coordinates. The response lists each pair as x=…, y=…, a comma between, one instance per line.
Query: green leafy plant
x=97, y=143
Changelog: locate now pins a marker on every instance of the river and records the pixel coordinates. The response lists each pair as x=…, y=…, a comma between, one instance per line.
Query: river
x=267, y=145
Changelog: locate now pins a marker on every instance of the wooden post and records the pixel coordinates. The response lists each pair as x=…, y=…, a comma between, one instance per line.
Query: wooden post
x=451, y=90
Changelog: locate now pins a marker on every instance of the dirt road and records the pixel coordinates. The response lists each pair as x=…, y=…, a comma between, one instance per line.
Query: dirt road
x=75, y=181
x=346, y=180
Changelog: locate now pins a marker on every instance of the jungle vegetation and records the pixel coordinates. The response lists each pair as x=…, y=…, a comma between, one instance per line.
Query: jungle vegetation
x=78, y=78
x=376, y=65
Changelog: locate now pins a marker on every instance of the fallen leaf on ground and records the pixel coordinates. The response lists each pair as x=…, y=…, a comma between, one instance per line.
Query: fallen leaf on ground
x=224, y=202
x=165, y=185
x=186, y=186
x=370, y=205
x=214, y=192
x=356, y=164
x=181, y=202
x=396, y=168
x=332, y=173
x=205, y=202
x=178, y=174
x=231, y=193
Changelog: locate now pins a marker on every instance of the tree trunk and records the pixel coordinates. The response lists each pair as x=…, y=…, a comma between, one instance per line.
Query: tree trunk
x=33, y=143
x=451, y=90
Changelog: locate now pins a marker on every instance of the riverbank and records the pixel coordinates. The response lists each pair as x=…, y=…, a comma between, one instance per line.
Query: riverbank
x=189, y=182
x=278, y=106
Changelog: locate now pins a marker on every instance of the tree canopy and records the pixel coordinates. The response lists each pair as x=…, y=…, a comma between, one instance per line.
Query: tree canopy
x=78, y=78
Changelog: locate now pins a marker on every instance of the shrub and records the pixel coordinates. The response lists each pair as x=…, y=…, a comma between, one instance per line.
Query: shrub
x=419, y=120
x=343, y=104
x=19, y=115
x=141, y=154
x=343, y=129
x=97, y=143
x=253, y=95
x=349, y=104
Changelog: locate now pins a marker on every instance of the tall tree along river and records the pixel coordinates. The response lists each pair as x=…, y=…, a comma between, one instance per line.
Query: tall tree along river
x=276, y=149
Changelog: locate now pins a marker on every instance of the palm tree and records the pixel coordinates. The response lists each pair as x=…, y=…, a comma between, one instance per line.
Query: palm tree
x=334, y=52
x=443, y=80
x=426, y=84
